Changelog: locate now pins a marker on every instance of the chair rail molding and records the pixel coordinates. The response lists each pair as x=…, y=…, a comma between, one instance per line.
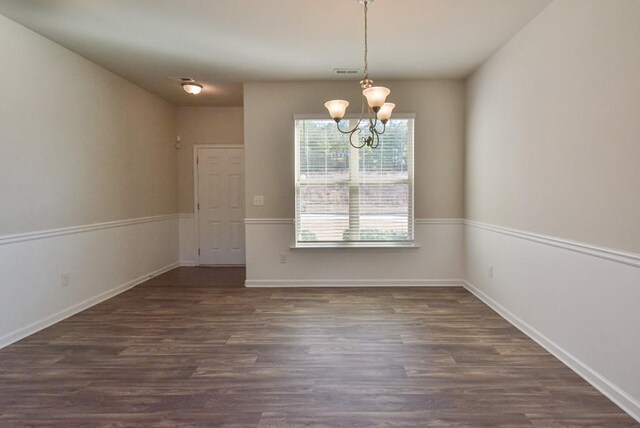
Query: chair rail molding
x=628, y=258
x=50, y=233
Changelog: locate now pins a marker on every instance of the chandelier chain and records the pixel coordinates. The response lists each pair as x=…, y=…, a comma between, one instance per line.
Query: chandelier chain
x=366, y=43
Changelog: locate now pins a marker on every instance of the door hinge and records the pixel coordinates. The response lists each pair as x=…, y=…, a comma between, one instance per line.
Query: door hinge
x=198, y=251
x=198, y=206
x=197, y=160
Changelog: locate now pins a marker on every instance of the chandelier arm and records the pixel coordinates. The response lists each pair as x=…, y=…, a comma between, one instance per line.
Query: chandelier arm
x=373, y=140
x=356, y=146
x=364, y=106
x=362, y=103
x=377, y=140
x=351, y=132
x=347, y=131
x=384, y=128
x=373, y=122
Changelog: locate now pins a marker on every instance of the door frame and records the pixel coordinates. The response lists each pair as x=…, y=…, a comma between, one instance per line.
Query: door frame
x=196, y=212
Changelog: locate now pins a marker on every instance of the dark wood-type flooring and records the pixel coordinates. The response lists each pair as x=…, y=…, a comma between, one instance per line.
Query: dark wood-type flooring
x=193, y=347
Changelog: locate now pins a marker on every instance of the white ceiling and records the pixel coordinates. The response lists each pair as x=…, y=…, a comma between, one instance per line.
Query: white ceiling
x=222, y=43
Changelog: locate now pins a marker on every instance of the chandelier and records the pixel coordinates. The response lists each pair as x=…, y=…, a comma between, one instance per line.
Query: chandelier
x=378, y=111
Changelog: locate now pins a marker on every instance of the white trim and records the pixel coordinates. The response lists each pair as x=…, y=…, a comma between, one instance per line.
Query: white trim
x=34, y=327
x=602, y=384
x=267, y=283
x=219, y=146
x=43, y=234
x=292, y=221
x=439, y=221
x=195, y=202
x=186, y=239
x=356, y=245
x=269, y=221
x=223, y=265
x=631, y=259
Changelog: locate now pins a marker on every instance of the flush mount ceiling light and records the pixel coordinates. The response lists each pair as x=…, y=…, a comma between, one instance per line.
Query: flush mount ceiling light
x=192, y=88
x=375, y=96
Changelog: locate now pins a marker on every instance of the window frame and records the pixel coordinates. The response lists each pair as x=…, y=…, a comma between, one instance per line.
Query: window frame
x=390, y=244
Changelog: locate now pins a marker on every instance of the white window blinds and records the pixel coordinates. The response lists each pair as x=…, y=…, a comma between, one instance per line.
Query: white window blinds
x=348, y=195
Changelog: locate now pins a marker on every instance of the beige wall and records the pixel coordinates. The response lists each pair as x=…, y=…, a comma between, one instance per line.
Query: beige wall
x=79, y=145
x=554, y=127
x=203, y=125
x=553, y=149
x=439, y=142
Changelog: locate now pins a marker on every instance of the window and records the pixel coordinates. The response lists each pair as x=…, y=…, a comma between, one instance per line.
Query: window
x=353, y=197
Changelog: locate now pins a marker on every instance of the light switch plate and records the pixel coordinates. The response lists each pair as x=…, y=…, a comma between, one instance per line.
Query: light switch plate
x=258, y=200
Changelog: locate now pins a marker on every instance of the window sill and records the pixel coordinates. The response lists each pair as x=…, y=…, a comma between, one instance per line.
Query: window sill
x=355, y=245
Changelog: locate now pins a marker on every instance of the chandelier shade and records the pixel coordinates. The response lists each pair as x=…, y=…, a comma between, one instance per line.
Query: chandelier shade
x=337, y=109
x=384, y=114
x=376, y=96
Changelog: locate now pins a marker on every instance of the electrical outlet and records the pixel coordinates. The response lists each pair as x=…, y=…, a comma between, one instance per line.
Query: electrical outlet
x=64, y=280
x=283, y=257
x=490, y=272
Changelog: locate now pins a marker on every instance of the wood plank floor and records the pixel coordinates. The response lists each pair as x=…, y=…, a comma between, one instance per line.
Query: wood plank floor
x=195, y=348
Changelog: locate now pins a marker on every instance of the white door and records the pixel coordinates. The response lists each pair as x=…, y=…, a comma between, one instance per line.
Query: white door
x=220, y=206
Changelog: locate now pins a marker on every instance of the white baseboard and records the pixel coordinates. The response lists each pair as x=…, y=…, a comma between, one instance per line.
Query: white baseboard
x=79, y=307
x=609, y=389
x=292, y=283
x=188, y=263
